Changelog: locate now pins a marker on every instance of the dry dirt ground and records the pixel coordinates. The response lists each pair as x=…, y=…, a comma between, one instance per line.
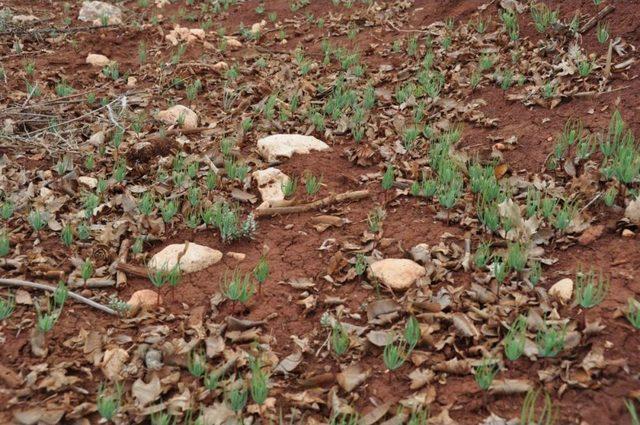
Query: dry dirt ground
x=385, y=84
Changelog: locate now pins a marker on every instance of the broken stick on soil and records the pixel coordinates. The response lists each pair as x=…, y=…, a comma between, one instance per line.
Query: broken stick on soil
x=593, y=21
x=27, y=284
x=324, y=202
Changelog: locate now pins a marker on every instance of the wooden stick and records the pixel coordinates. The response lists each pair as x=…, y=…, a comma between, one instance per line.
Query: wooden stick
x=594, y=20
x=58, y=30
x=329, y=200
x=27, y=284
x=121, y=277
x=158, y=136
x=132, y=270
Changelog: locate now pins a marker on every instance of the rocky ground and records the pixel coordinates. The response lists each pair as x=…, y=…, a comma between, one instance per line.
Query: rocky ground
x=345, y=211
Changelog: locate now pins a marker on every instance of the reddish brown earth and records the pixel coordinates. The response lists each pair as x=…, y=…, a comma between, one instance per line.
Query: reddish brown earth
x=293, y=250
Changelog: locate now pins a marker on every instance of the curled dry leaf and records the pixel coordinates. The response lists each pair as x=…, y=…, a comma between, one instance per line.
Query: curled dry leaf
x=289, y=363
x=146, y=393
x=352, y=376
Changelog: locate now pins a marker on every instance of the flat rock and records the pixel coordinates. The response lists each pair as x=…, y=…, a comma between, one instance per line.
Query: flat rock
x=562, y=289
x=270, y=183
x=276, y=145
x=97, y=60
x=93, y=11
x=90, y=182
x=196, y=258
x=176, y=113
x=144, y=299
x=591, y=234
x=632, y=212
x=397, y=273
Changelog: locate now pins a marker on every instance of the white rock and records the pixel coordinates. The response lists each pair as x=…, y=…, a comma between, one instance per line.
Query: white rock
x=397, y=273
x=197, y=257
x=562, y=289
x=232, y=42
x=90, y=182
x=270, y=183
x=276, y=145
x=93, y=11
x=632, y=212
x=173, y=115
x=97, y=138
x=183, y=34
x=143, y=299
x=238, y=256
x=23, y=19
x=97, y=60
x=220, y=66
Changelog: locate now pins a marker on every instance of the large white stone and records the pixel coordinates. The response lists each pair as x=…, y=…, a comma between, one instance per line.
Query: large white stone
x=562, y=289
x=276, y=145
x=97, y=60
x=397, y=273
x=93, y=11
x=196, y=258
x=270, y=183
x=632, y=212
x=176, y=113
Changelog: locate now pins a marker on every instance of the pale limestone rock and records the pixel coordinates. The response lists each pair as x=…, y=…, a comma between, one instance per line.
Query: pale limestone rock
x=632, y=212
x=276, y=145
x=90, y=182
x=97, y=60
x=176, y=113
x=270, y=183
x=562, y=289
x=232, y=42
x=144, y=299
x=93, y=11
x=397, y=273
x=195, y=258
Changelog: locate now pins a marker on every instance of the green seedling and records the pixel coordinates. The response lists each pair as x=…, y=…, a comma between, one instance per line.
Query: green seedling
x=7, y=306
x=395, y=354
x=5, y=244
x=289, y=187
x=36, y=220
x=375, y=218
x=60, y=295
x=633, y=413
x=238, y=289
x=108, y=402
x=6, y=210
x=212, y=380
x=543, y=17
x=602, y=32
x=339, y=339
x=261, y=272
x=259, y=383
x=360, y=265
x=516, y=256
x=485, y=373
x=197, y=363
x=515, y=339
x=412, y=332
x=550, y=340
x=633, y=312
x=388, y=177
x=237, y=398
x=535, y=272
x=528, y=415
x=312, y=184
x=591, y=290
x=482, y=255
